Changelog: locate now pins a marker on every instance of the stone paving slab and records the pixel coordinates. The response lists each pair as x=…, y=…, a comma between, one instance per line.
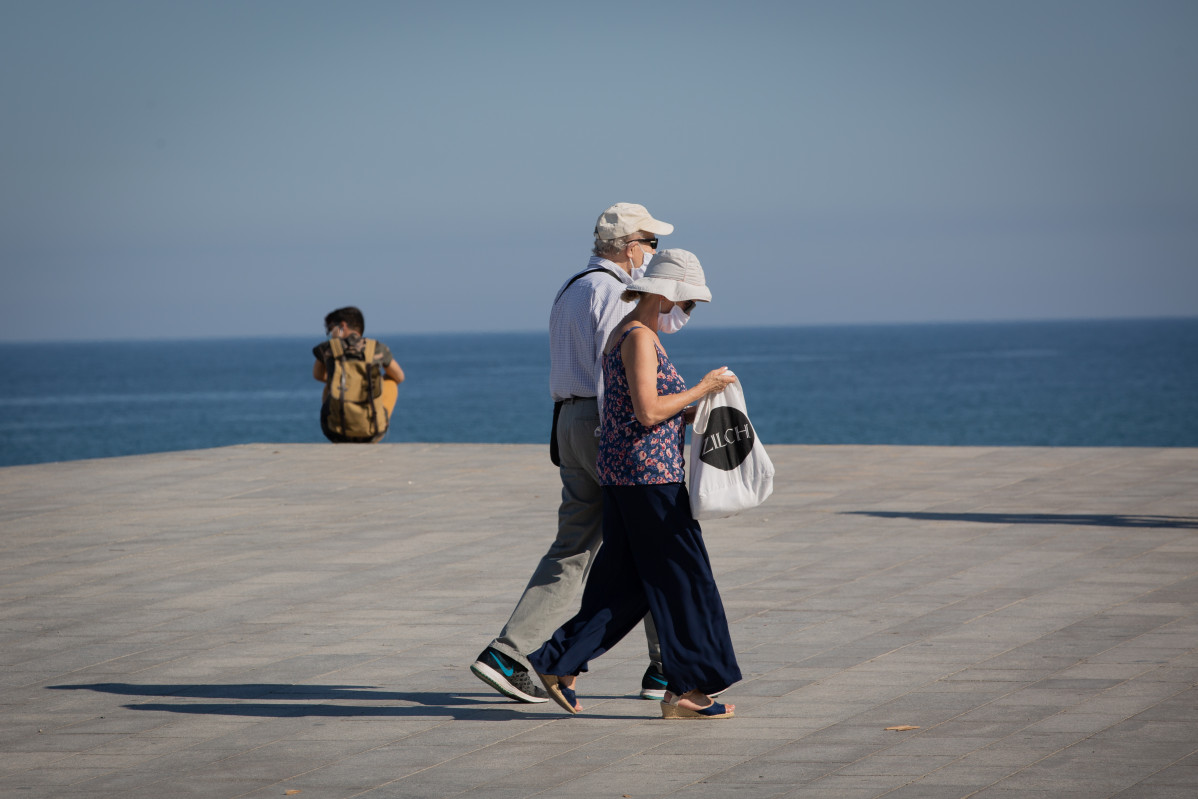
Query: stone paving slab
x=262, y=620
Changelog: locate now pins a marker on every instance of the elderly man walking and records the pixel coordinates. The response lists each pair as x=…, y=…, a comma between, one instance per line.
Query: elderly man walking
x=585, y=311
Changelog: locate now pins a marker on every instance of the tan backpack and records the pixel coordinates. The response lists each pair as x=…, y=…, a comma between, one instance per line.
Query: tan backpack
x=354, y=411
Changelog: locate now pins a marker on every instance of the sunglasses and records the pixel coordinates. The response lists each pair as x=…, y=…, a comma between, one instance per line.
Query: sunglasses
x=651, y=242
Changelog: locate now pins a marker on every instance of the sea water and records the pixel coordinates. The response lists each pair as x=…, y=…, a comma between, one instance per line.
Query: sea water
x=1102, y=383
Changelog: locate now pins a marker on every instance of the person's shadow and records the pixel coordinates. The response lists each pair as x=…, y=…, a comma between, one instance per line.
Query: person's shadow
x=279, y=700
x=1088, y=519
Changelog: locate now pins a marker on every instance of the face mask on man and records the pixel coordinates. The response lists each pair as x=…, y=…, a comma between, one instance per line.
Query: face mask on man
x=673, y=321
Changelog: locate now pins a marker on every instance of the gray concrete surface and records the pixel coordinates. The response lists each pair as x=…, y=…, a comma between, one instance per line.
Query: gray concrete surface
x=273, y=620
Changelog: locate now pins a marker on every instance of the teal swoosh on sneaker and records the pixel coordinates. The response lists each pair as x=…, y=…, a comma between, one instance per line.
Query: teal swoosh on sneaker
x=508, y=671
x=657, y=679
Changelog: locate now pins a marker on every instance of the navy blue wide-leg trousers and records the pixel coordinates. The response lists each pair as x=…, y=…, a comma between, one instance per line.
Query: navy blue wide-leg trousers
x=652, y=560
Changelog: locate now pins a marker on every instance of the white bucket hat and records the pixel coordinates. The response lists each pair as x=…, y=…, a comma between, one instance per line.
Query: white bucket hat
x=676, y=275
x=624, y=219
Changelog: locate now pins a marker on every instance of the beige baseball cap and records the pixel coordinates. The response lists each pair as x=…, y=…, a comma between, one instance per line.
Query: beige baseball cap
x=676, y=275
x=624, y=219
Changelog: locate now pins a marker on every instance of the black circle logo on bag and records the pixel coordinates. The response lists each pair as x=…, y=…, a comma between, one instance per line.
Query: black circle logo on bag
x=728, y=440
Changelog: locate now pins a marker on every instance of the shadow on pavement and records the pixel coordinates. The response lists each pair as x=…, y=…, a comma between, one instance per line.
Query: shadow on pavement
x=333, y=693
x=1087, y=519
x=303, y=700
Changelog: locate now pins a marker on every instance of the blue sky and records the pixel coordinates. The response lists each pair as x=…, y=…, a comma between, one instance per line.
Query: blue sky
x=240, y=168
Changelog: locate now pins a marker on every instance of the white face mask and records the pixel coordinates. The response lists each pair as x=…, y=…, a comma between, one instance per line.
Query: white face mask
x=673, y=321
x=648, y=258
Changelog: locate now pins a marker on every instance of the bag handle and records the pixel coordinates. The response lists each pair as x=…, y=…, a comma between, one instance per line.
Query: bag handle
x=702, y=413
x=712, y=401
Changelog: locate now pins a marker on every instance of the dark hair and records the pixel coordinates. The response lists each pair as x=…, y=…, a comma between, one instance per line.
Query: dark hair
x=350, y=315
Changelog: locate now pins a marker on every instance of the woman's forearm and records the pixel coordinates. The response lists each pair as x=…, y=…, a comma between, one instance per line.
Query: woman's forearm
x=660, y=407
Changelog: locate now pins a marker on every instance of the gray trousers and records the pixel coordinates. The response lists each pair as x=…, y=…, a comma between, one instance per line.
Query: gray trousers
x=553, y=590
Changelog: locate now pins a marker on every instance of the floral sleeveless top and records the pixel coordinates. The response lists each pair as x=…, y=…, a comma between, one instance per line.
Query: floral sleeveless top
x=629, y=452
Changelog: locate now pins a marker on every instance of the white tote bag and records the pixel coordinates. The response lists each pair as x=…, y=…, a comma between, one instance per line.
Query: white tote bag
x=729, y=470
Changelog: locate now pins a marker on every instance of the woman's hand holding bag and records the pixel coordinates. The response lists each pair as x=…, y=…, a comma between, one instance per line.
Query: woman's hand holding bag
x=729, y=469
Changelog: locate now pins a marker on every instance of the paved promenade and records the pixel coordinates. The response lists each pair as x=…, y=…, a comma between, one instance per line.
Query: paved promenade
x=298, y=620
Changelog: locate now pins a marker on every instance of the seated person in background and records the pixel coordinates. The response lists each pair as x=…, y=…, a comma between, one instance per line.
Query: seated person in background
x=361, y=380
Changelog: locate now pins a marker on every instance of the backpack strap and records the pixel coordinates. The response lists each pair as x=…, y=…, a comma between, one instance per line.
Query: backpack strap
x=369, y=356
x=338, y=349
x=581, y=274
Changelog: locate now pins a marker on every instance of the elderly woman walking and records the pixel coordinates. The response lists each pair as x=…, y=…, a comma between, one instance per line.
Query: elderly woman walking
x=653, y=558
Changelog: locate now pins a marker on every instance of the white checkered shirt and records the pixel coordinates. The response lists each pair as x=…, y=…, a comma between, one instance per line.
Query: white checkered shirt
x=579, y=324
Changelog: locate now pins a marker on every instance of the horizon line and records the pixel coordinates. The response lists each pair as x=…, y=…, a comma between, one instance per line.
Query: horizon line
x=530, y=331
